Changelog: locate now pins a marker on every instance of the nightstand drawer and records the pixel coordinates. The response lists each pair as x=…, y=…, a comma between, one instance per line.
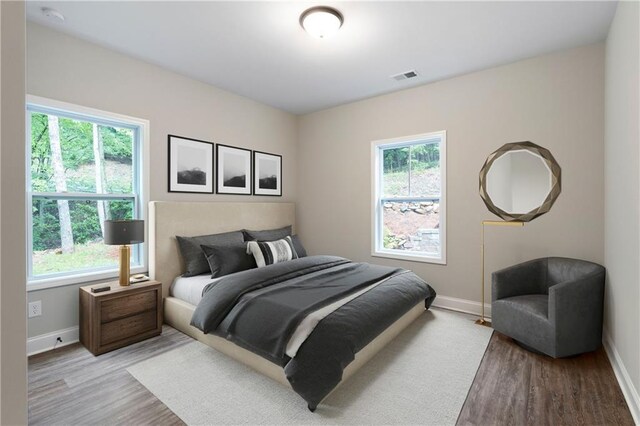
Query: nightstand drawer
x=127, y=305
x=128, y=327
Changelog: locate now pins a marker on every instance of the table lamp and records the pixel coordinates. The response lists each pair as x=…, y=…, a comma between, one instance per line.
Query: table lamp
x=122, y=233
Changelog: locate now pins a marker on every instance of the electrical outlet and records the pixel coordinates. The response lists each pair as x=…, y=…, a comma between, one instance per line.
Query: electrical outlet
x=35, y=309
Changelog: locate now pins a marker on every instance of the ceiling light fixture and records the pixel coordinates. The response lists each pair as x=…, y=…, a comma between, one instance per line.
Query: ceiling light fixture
x=52, y=14
x=321, y=21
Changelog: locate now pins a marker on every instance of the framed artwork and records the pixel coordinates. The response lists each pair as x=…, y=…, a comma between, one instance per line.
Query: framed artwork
x=267, y=174
x=190, y=165
x=234, y=170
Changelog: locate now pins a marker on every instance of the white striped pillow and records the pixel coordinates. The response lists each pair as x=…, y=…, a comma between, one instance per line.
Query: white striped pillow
x=270, y=252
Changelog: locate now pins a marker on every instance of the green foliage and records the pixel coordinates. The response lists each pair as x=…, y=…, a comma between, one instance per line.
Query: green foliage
x=84, y=221
x=117, y=144
x=76, y=142
x=422, y=157
x=396, y=160
x=46, y=228
x=41, y=169
x=425, y=156
x=121, y=210
x=390, y=241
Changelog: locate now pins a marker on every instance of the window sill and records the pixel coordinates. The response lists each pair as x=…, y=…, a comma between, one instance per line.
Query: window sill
x=82, y=278
x=410, y=257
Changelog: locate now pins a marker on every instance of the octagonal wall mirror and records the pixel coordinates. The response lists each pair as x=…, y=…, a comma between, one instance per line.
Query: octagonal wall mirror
x=520, y=181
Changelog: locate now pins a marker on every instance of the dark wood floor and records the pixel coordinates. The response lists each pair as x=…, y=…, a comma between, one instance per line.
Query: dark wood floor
x=515, y=387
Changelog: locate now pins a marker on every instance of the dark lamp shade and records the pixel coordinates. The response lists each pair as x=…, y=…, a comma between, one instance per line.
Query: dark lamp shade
x=121, y=232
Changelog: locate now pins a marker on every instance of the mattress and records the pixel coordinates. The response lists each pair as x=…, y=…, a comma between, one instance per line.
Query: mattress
x=189, y=289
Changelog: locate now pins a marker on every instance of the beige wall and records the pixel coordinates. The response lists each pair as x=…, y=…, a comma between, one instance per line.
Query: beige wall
x=554, y=100
x=13, y=325
x=622, y=186
x=71, y=70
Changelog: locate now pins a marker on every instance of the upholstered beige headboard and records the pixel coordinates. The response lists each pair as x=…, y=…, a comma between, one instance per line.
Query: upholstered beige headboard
x=169, y=218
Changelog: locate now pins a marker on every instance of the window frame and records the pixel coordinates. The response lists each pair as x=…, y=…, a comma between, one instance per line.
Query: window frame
x=139, y=195
x=377, y=198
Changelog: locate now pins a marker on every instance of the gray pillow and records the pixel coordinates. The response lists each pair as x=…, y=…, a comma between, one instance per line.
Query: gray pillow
x=194, y=259
x=297, y=244
x=225, y=260
x=267, y=235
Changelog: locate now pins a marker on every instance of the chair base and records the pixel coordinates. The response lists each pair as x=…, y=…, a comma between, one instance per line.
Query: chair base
x=535, y=351
x=529, y=348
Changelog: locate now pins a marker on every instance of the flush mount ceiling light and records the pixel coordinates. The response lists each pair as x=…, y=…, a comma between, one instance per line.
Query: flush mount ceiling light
x=52, y=14
x=321, y=21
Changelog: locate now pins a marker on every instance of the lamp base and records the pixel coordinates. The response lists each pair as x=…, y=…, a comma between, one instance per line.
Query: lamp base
x=125, y=271
x=482, y=321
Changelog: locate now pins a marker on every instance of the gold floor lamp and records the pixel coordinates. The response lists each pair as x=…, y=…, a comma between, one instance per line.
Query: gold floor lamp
x=482, y=320
x=543, y=183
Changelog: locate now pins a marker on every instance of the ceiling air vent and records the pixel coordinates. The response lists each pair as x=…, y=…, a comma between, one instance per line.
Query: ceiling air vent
x=405, y=75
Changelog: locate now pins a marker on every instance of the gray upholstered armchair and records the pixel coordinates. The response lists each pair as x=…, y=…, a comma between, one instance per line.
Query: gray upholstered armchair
x=552, y=305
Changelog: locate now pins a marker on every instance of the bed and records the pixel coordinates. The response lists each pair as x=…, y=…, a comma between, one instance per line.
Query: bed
x=168, y=219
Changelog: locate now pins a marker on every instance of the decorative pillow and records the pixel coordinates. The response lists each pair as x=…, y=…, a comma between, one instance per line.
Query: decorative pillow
x=225, y=260
x=297, y=244
x=267, y=235
x=194, y=259
x=270, y=252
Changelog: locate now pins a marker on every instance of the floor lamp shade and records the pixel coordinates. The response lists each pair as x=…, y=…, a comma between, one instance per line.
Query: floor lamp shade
x=123, y=233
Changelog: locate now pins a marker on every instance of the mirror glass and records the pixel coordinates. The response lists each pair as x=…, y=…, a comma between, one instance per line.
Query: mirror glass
x=519, y=181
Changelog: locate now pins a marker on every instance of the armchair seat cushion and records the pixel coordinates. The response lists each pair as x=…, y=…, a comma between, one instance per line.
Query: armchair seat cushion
x=524, y=318
x=530, y=304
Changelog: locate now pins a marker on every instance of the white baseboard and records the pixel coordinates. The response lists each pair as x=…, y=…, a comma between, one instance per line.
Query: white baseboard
x=628, y=389
x=462, y=305
x=46, y=342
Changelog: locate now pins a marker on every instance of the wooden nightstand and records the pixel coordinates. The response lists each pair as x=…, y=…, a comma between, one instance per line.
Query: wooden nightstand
x=123, y=315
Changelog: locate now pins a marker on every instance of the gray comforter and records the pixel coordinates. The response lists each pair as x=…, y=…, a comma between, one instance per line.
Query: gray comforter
x=260, y=309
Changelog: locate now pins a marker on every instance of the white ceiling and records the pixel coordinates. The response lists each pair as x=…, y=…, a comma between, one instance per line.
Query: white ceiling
x=259, y=50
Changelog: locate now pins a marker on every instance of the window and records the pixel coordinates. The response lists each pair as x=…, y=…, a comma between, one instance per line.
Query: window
x=85, y=166
x=409, y=198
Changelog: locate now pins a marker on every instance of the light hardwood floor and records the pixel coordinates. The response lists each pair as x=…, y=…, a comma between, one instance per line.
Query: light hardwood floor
x=70, y=386
x=515, y=387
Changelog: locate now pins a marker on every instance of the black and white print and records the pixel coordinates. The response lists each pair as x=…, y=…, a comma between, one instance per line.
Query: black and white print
x=267, y=174
x=234, y=170
x=190, y=165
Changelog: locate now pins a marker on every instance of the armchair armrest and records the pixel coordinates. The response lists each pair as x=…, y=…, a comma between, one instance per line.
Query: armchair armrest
x=580, y=300
x=524, y=278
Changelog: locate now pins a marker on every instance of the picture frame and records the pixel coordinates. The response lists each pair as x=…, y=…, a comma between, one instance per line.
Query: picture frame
x=190, y=165
x=233, y=170
x=267, y=174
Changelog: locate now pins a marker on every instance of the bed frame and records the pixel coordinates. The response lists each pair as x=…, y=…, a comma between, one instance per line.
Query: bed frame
x=168, y=219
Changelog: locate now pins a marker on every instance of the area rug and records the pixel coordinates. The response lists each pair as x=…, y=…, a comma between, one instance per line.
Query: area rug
x=422, y=377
